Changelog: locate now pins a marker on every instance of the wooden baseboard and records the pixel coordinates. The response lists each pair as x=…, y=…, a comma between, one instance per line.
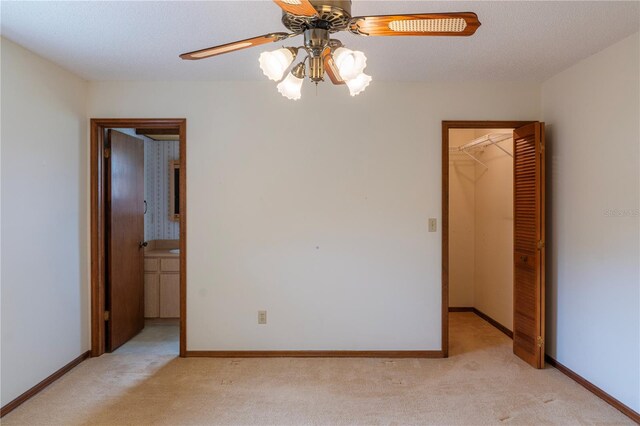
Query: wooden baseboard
x=460, y=309
x=43, y=384
x=493, y=322
x=485, y=317
x=315, y=354
x=627, y=411
x=161, y=321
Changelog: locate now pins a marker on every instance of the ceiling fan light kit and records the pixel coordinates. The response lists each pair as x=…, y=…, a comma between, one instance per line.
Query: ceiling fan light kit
x=358, y=84
x=350, y=63
x=320, y=50
x=291, y=87
x=316, y=20
x=274, y=64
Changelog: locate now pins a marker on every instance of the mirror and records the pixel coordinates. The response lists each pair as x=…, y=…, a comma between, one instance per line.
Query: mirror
x=174, y=190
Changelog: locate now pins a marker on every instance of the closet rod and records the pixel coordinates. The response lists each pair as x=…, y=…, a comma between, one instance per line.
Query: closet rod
x=455, y=150
x=489, y=139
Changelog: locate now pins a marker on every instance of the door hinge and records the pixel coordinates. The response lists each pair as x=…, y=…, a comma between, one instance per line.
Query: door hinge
x=540, y=244
x=540, y=341
x=107, y=315
x=107, y=152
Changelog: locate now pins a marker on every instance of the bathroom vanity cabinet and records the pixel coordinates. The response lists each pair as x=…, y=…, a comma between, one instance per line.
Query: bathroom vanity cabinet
x=161, y=284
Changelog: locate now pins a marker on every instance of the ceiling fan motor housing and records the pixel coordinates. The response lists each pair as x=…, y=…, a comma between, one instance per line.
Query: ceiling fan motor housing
x=333, y=16
x=316, y=40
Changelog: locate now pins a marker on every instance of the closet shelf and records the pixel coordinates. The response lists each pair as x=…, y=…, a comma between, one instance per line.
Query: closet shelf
x=489, y=139
x=481, y=142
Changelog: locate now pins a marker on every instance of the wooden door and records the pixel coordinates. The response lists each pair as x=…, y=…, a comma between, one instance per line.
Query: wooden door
x=125, y=233
x=529, y=238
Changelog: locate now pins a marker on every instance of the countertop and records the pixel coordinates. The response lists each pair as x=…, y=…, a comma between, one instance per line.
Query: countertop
x=160, y=253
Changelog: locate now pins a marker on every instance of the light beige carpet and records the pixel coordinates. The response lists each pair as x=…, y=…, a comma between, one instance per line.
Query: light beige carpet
x=481, y=383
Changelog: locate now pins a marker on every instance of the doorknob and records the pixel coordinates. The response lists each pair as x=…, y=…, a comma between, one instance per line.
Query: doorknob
x=142, y=244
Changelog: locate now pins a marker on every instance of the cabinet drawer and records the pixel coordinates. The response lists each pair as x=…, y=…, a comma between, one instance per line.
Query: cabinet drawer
x=170, y=265
x=151, y=264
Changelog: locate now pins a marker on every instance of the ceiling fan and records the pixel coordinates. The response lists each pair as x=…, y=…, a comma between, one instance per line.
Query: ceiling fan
x=317, y=20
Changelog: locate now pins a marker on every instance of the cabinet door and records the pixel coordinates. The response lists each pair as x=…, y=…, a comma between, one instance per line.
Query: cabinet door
x=169, y=295
x=151, y=295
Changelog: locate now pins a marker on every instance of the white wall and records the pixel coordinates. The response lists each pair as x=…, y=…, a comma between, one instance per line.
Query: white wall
x=493, y=272
x=314, y=210
x=593, y=283
x=45, y=321
x=462, y=221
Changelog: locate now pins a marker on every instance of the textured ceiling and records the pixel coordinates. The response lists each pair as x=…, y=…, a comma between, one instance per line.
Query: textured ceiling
x=121, y=40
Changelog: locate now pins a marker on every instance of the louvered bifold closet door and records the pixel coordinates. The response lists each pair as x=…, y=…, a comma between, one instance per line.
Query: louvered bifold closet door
x=528, y=227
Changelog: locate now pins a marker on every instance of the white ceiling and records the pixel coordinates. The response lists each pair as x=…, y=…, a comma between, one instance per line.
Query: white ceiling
x=123, y=40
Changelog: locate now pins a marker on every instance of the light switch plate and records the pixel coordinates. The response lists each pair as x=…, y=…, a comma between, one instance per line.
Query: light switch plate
x=433, y=224
x=262, y=317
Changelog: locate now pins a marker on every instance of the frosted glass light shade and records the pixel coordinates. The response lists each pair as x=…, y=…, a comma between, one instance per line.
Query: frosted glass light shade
x=350, y=63
x=291, y=87
x=274, y=64
x=358, y=84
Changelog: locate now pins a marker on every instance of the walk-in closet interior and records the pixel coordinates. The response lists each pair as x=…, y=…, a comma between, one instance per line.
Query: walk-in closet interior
x=481, y=222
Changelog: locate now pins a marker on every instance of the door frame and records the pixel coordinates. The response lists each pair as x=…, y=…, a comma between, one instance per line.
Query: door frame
x=446, y=126
x=98, y=220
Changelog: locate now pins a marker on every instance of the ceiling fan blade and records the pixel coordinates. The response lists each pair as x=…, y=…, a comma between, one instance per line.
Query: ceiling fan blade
x=297, y=7
x=330, y=68
x=236, y=45
x=423, y=24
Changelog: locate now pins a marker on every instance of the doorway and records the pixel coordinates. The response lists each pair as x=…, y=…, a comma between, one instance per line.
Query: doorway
x=493, y=229
x=138, y=247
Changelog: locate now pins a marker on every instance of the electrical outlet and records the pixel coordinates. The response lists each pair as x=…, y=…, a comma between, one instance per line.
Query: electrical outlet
x=262, y=317
x=433, y=224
